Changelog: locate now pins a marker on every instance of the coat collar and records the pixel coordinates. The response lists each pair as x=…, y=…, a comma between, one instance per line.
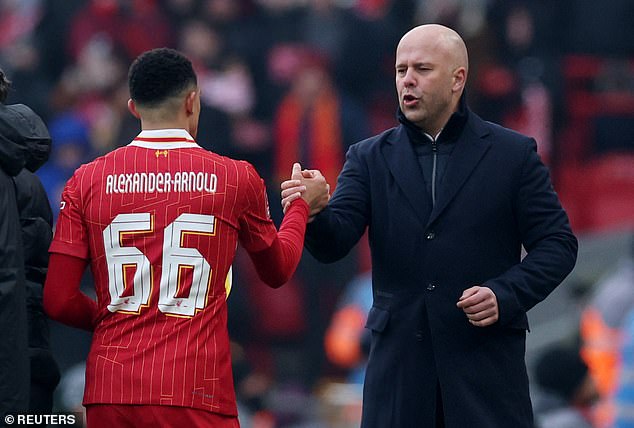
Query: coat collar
x=471, y=145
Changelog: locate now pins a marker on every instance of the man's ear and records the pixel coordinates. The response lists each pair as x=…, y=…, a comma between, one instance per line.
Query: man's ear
x=132, y=108
x=459, y=79
x=190, y=102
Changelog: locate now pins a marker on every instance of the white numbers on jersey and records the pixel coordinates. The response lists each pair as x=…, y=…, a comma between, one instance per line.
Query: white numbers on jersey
x=176, y=257
x=176, y=261
x=122, y=260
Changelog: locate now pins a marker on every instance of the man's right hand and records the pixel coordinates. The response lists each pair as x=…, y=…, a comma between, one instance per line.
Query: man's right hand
x=308, y=184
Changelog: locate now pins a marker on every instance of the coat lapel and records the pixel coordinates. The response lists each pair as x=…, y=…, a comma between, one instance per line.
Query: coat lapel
x=468, y=152
x=403, y=164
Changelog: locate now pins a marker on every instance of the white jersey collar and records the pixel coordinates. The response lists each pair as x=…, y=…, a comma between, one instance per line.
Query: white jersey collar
x=164, y=139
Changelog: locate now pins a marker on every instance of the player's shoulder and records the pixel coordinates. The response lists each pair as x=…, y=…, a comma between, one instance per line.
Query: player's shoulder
x=95, y=164
x=236, y=170
x=247, y=170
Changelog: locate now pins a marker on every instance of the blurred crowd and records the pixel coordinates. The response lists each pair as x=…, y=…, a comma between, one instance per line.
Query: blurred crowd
x=286, y=80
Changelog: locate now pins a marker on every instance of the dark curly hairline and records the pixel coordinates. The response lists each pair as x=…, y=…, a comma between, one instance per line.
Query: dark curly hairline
x=160, y=74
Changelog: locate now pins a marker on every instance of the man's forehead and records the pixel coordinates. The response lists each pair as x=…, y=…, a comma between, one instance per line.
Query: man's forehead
x=415, y=51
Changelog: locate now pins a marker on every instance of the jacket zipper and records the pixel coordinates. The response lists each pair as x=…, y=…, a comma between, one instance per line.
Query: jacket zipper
x=434, y=149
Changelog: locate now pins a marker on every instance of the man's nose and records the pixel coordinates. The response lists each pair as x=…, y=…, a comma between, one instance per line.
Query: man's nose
x=408, y=78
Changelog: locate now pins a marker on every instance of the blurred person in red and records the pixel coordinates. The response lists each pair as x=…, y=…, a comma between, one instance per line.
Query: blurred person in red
x=135, y=25
x=315, y=123
x=159, y=221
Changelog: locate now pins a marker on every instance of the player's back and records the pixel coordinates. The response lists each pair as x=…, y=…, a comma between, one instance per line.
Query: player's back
x=162, y=218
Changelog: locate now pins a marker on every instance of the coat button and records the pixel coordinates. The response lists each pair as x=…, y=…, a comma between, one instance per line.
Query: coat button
x=431, y=286
x=430, y=235
x=419, y=335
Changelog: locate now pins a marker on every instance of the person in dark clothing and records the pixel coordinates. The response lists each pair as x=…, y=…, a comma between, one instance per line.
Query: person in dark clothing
x=24, y=146
x=449, y=200
x=36, y=220
x=14, y=363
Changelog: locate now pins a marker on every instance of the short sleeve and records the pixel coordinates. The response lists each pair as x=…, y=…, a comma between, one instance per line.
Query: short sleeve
x=71, y=235
x=257, y=230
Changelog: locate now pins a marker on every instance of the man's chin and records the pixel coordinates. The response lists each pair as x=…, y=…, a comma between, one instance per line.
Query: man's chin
x=412, y=115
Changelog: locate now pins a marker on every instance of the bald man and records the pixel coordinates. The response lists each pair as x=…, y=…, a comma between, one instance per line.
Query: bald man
x=449, y=200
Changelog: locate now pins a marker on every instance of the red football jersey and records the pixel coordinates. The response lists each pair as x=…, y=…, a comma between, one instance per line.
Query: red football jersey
x=160, y=220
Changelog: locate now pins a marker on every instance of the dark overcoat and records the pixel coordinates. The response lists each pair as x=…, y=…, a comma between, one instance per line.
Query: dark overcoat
x=496, y=196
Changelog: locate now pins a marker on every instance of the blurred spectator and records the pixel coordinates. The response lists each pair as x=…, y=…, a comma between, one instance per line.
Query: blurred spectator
x=346, y=340
x=372, y=33
x=135, y=26
x=204, y=46
x=50, y=39
x=314, y=124
x=466, y=16
x=614, y=126
x=522, y=49
x=18, y=19
x=251, y=387
x=561, y=371
x=180, y=11
x=602, y=324
x=228, y=96
x=230, y=19
x=71, y=148
x=599, y=28
x=19, y=56
x=624, y=395
x=324, y=27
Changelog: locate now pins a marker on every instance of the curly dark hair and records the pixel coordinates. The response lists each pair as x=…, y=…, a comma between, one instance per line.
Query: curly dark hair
x=159, y=74
x=5, y=84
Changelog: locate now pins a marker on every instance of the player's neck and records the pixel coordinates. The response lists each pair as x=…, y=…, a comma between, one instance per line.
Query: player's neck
x=170, y=124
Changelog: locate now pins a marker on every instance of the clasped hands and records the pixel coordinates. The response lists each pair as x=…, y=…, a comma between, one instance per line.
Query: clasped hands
x=479, y=303
x=309, y=184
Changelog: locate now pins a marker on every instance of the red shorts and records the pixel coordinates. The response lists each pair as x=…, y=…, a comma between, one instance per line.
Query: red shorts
x=133, y=416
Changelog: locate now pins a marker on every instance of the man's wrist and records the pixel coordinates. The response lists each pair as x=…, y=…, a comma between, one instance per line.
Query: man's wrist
x=300, y=202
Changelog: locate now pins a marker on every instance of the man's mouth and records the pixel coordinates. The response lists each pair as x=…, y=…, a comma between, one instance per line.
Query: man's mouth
x=409, y=100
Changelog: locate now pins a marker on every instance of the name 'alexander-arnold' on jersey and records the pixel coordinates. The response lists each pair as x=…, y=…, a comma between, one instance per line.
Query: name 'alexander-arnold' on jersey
x=150, y=182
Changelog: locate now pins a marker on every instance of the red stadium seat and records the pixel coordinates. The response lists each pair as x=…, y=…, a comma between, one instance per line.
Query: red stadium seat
x=611, y=192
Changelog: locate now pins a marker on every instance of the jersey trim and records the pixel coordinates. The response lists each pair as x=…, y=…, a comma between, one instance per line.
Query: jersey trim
x=164, y=139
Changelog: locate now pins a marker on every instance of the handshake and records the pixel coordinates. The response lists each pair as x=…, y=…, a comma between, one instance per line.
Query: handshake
x=308, y=184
